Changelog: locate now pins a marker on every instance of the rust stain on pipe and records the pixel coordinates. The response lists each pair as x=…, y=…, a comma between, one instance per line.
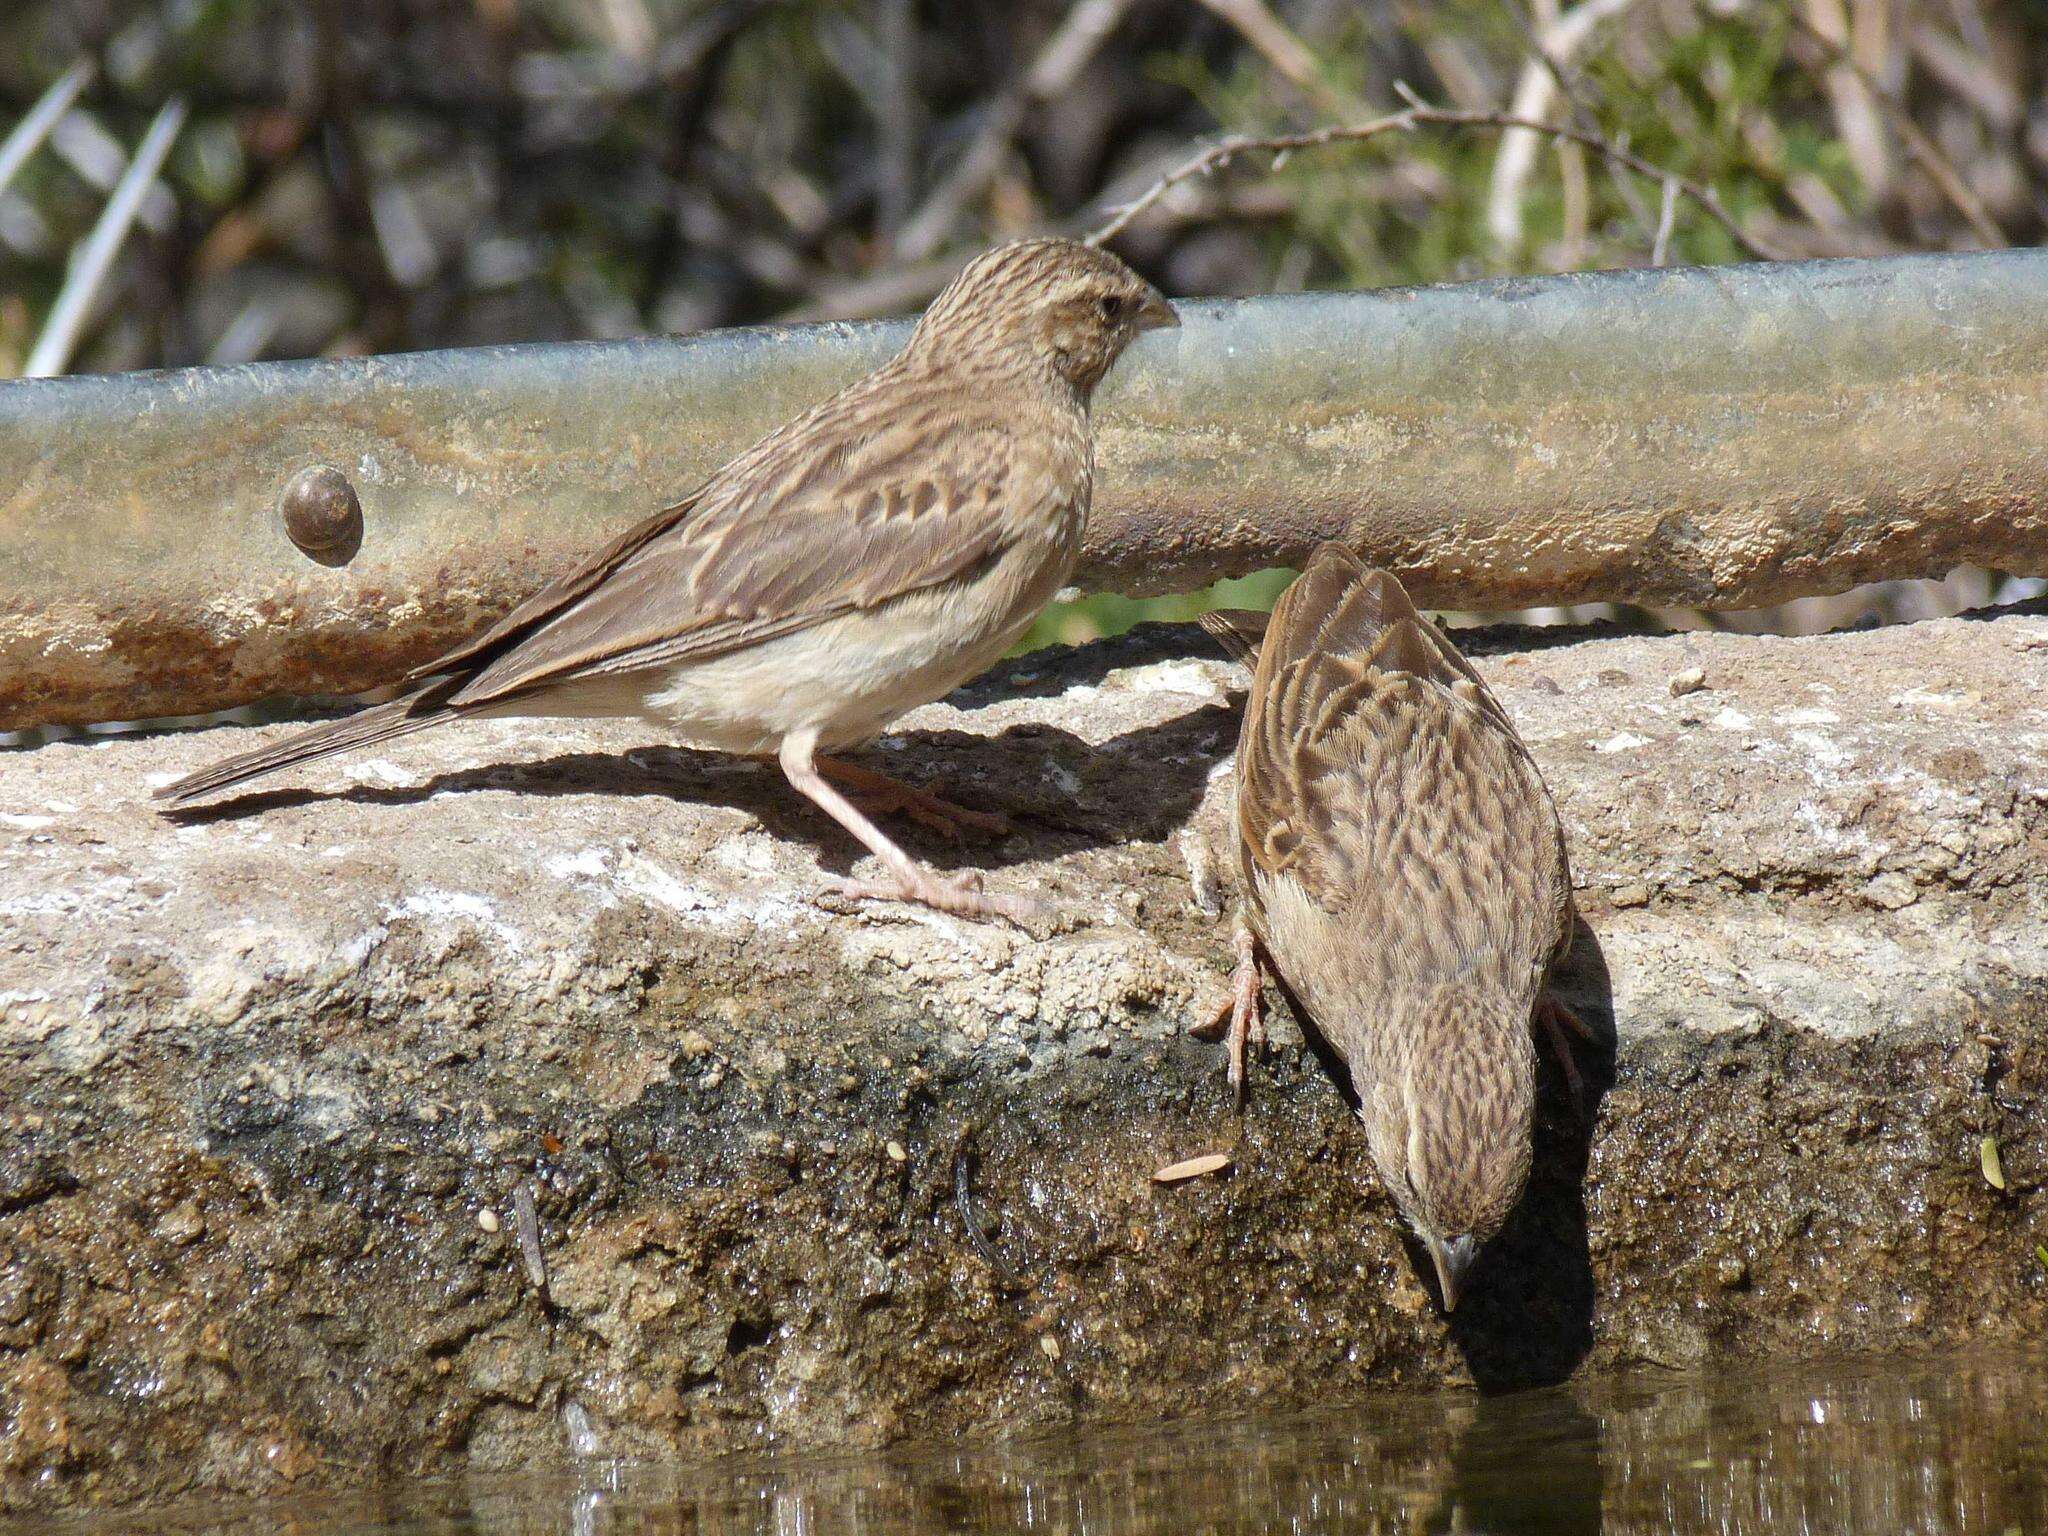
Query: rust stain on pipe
x=1713, y=437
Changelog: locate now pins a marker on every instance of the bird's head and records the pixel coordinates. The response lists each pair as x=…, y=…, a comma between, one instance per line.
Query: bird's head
x=1039, y=305
x=1450, y=1117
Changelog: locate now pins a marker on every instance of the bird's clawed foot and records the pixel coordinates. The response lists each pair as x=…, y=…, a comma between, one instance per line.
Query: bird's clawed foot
x=961, y=895
x=905, y=879
x=1554, y=1016
x=879, y=795
x=1239, y=1018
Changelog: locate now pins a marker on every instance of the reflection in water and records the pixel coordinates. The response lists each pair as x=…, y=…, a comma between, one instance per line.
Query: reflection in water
x=1890, y=1448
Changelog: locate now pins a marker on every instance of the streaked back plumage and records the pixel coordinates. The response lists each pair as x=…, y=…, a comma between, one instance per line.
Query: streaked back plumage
x=1406, y=874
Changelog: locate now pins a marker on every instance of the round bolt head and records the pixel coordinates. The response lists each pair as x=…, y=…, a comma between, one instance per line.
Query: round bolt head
x=322, y=515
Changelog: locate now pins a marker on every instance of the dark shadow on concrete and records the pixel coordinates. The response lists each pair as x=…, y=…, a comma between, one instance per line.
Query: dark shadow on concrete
x=1062, y=793
x=1047, y=672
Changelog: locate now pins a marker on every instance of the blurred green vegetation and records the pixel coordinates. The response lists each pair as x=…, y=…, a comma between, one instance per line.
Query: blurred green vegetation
x=1104, y=613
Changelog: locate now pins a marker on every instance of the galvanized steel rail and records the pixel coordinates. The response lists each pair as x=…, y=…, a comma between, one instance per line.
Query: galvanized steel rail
x=1715, y=437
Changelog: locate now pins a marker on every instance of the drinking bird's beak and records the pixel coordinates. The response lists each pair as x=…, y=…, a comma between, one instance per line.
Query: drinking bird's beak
x=1453, y=1262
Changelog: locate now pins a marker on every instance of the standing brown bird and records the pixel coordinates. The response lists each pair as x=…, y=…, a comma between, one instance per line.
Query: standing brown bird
x=1406, y=883
x=864, y=559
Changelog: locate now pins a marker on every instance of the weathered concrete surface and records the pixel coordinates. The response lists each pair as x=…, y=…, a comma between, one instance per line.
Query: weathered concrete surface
x=270, y=1083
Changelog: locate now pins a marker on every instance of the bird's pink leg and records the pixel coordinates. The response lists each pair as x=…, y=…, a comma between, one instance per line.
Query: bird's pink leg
x=907, y=880
x=1241, y=1008
x=882, y=796
x=1554, y=1016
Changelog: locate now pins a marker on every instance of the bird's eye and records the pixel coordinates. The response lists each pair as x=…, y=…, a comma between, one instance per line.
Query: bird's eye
x=1112, y=308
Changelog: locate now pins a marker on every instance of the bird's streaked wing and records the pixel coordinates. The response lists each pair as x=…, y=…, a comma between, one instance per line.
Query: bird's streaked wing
x=1367, y=734
x=557, y=595
x=836, y=512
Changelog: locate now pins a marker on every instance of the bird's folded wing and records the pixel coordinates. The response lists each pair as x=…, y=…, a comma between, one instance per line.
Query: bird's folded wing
x=1348, y=673
x=1347, y=608
x=557, y=595
x=776, y=544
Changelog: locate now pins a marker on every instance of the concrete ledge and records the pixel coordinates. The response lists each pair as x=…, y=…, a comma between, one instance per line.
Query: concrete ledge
x=275, y=1084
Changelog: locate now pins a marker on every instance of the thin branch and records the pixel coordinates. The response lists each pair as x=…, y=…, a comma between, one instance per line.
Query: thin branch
x=1542, y=77
x=892, y=290
x=53, y=348
x=1574, y=97
x=35, y=126
x=1052, y=73
x=898, y=124
x=1577, y=187
x=1540, y=53
x=1420, y=115
x=1859, y=124
x=1280, y=46
x=1625, y=189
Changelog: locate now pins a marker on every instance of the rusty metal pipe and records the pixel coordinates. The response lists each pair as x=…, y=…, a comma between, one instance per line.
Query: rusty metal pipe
x=1717, y=437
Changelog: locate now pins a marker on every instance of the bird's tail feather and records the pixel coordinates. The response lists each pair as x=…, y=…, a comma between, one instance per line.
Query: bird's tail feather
x=400, y=717
x=1341, y=607
x=1238, y=630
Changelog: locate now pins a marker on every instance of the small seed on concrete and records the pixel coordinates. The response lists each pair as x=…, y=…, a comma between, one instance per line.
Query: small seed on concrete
x=1192, y=1168
x=1691, y=680
x=896, y=1152
x=1987, y=1155
x=487, y=1219
x=1050, y=1345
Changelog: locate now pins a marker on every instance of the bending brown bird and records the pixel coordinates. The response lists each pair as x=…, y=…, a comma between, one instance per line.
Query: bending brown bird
x=864, y=559
x=1406, y=883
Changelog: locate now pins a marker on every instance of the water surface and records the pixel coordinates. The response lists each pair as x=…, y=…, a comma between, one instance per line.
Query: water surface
x=1876, y=1448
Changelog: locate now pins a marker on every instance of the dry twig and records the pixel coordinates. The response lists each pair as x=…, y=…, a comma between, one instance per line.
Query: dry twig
x=1542, y=79
x=1277, y=44
x=1858, y=122
x=28, y=134
x=1660, y=248
x=526, y=1222
x=1420, y=115
x=1052, y=74
x=1923, y=149
x=53, y=349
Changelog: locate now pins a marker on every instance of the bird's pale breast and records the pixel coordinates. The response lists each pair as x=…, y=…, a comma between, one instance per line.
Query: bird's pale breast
x=848, y=676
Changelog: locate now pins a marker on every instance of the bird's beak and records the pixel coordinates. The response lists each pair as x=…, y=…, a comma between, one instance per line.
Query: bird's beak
x=1453, y=1262
x=1155, y=314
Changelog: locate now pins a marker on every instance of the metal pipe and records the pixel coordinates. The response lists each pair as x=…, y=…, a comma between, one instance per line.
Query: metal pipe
x=1718, y=437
